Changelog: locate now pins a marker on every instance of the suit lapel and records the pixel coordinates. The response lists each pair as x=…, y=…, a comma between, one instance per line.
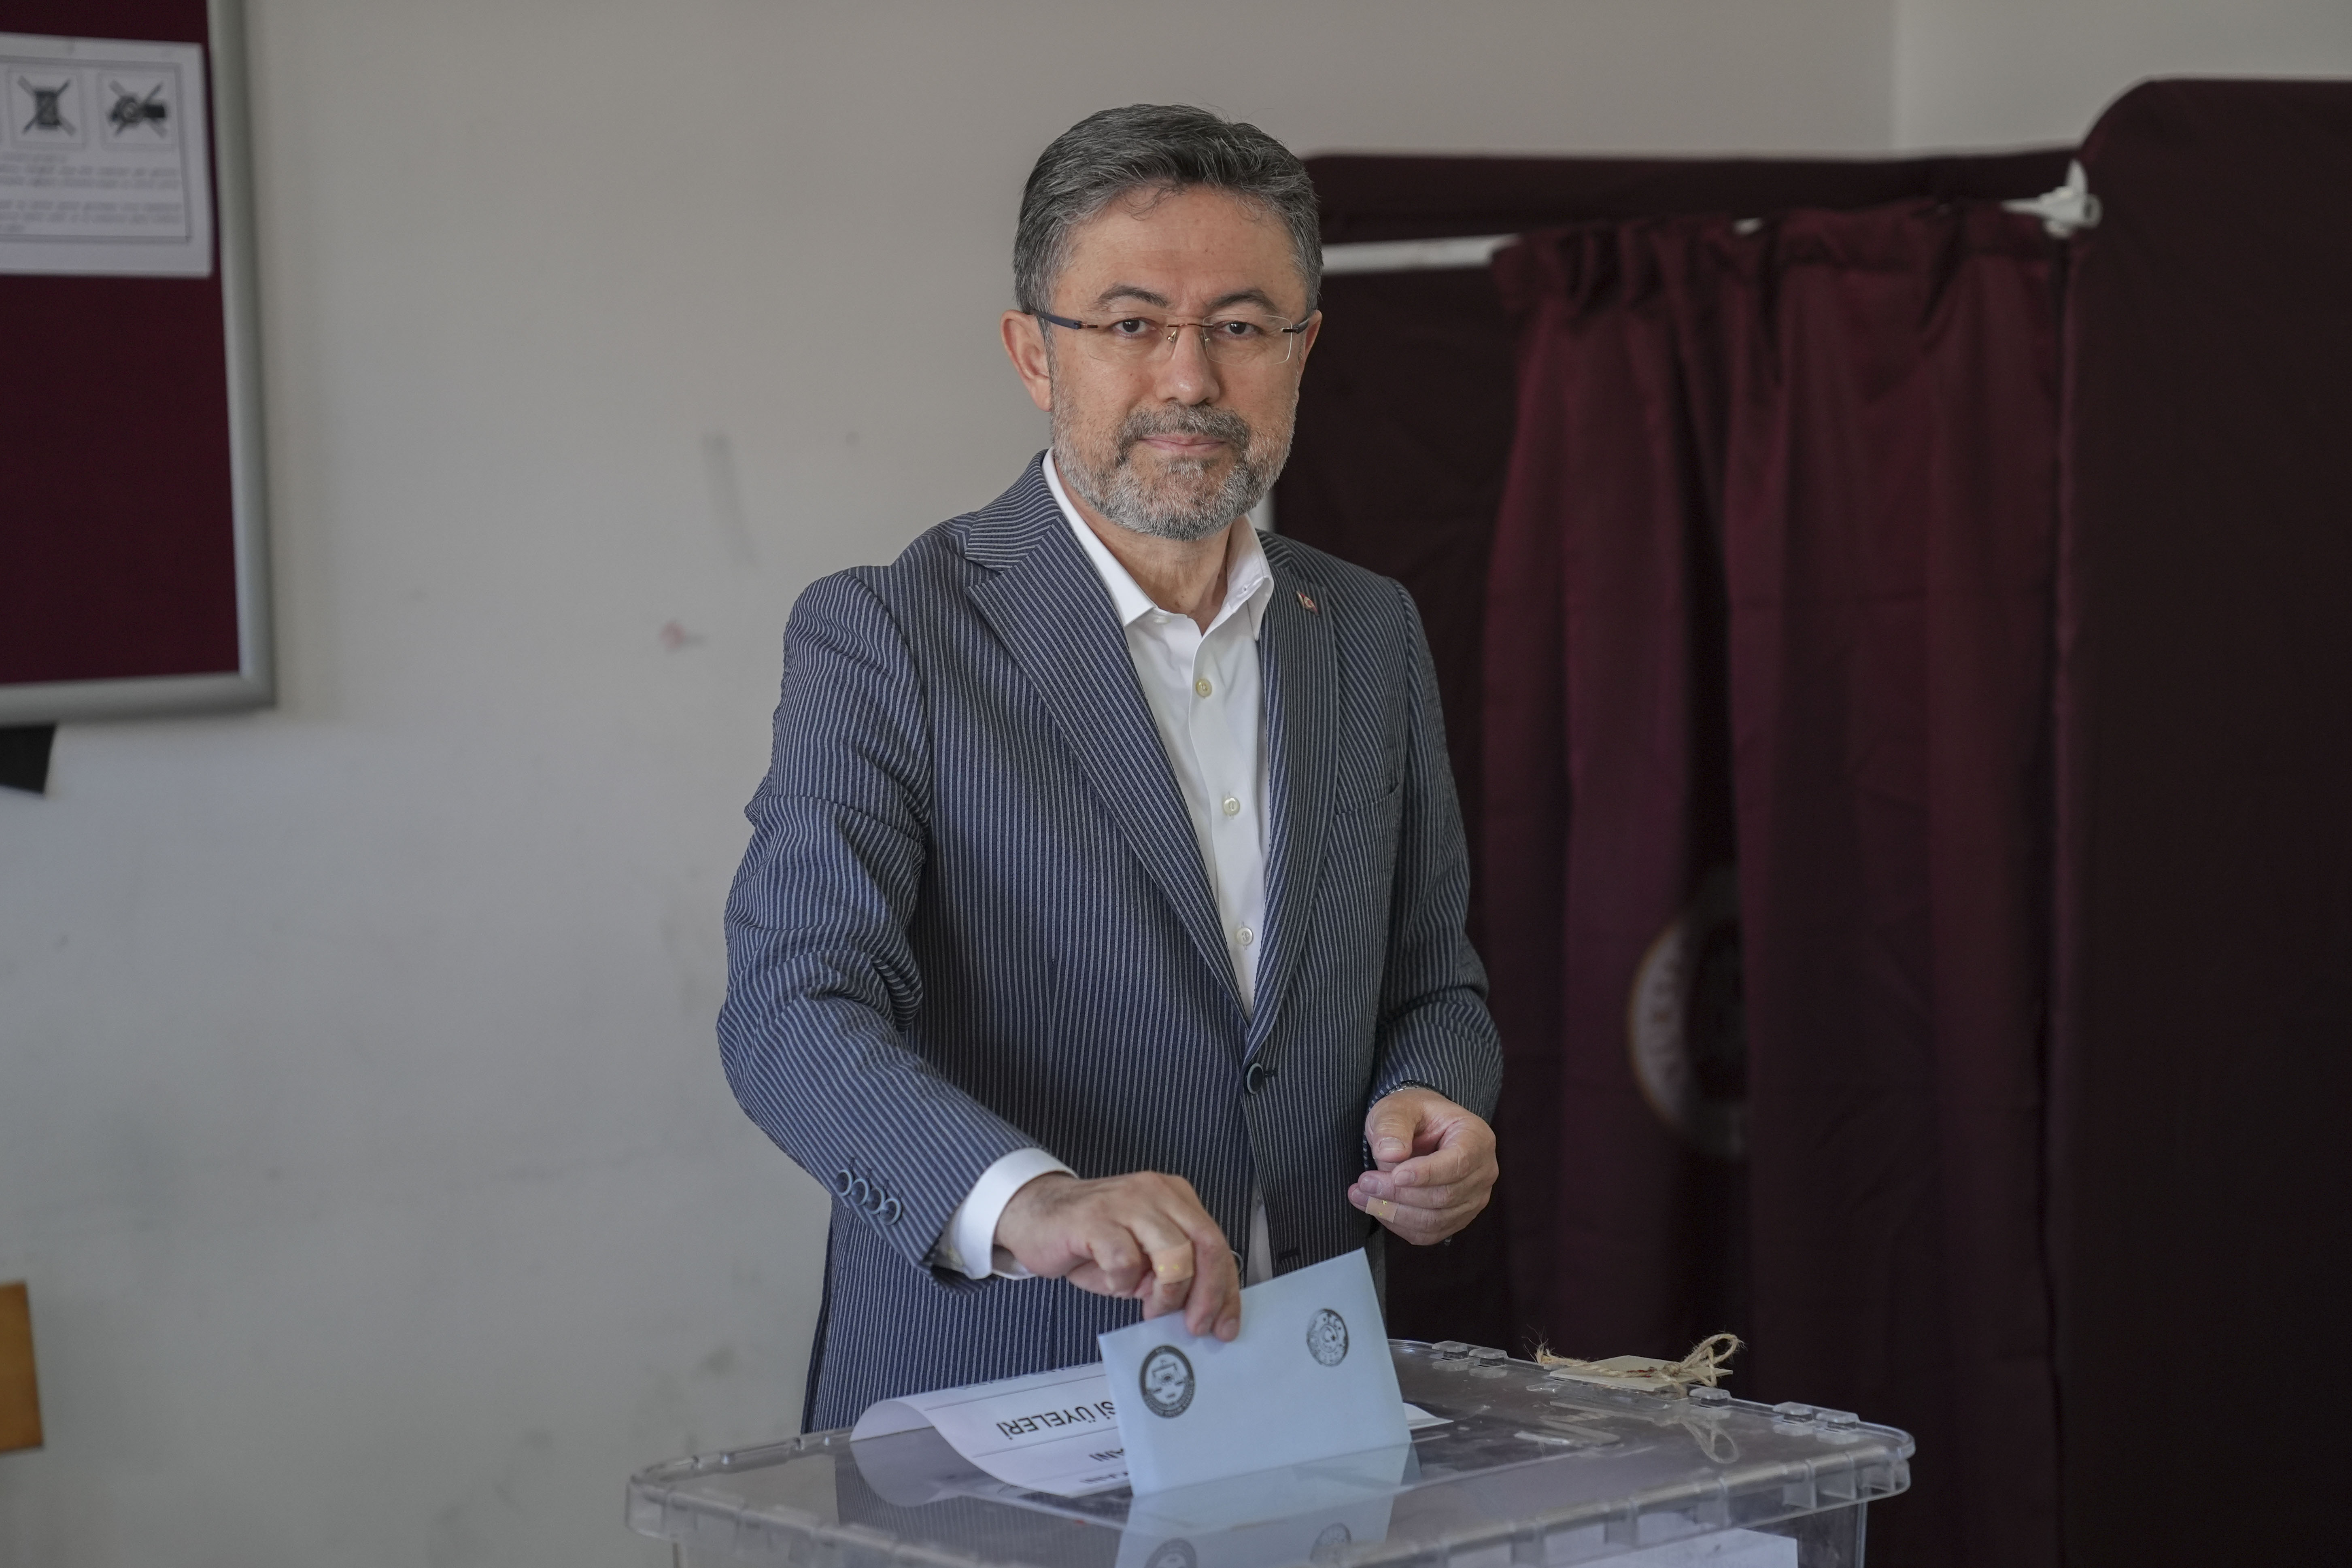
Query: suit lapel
x=1298, y=672
x=1053, y=614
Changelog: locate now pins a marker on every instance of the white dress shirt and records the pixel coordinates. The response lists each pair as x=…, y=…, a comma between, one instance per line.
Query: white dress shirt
x=1203, y=692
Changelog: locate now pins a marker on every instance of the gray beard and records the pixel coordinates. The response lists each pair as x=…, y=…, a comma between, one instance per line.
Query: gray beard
x=1121, y=494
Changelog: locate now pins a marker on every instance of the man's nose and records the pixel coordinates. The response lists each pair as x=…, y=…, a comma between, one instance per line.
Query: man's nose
x=1186, y=373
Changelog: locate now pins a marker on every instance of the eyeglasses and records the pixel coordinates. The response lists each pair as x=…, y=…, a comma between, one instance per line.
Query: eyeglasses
x=1244, y=338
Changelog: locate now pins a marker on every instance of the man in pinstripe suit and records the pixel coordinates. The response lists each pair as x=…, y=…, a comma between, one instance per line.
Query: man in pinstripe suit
x=1106, y=895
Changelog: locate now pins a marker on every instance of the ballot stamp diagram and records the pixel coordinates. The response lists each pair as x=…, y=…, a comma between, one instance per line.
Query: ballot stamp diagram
x=1167, y=1381
x=1327, y=1337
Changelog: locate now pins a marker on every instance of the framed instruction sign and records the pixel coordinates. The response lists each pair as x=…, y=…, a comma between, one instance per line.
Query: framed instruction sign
x=133, y=568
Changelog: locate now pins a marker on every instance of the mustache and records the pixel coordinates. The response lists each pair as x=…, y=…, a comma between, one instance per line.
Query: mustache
x=1217, y=424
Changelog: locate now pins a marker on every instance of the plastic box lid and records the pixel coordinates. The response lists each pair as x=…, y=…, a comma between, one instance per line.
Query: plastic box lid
x=1529, y=1469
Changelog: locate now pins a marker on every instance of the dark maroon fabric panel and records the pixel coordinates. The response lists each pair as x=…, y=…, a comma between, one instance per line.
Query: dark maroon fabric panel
x=1404, y=424
x=1606, y=774
x=116, y=552
x=2204, y=1052
x=1890, y=533
x=1863, y=410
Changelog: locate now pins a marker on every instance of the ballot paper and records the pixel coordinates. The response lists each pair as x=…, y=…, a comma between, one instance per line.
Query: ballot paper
x=1309, y=1378
x=1050, y=1432
x=105, y=161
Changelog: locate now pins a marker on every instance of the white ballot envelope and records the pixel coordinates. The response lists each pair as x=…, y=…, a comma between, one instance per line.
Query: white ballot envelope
x=1310, y=1378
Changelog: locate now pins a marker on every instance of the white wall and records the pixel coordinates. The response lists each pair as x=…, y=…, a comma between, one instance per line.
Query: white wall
x=2005, y=73
x=361, y=1134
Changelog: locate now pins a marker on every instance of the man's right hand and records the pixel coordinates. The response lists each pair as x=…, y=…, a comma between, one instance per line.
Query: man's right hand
x=1143, y=1237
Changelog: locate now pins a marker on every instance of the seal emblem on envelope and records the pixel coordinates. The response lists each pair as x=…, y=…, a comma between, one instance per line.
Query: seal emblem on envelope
x=1327, y=1337
x=1167, y=1381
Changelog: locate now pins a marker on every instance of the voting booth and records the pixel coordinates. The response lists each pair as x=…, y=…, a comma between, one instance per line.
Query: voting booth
x=1505, y=1466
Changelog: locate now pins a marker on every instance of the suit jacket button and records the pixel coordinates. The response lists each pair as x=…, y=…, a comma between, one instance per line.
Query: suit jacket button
x=1255, y=1079
x=891, y=1211
x=841, y=1182
x=857, y=1191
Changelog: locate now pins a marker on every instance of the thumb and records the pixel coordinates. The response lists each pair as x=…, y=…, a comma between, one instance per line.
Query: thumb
x=1390, y=1130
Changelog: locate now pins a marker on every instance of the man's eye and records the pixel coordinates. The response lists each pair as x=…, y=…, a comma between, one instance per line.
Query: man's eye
x=1134, y=327
x=1238, y=330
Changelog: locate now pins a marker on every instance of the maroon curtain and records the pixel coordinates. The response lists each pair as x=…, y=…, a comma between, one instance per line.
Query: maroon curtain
x=1606, y=784
x=1791, y=483
x=1404, y=432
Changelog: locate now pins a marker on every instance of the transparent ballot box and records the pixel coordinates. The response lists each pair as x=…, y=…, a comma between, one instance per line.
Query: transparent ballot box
x=1527, y=1469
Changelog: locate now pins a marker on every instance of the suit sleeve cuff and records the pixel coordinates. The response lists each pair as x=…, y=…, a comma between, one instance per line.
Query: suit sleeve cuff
x=967, y=1244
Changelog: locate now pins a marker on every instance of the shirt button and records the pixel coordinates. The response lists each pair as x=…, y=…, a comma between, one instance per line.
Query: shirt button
x=1233, y=806
x=1202, y=688
x=1245, y=936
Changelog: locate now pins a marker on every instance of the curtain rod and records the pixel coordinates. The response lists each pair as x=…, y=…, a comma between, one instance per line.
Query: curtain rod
x=1412, y=255
x=2070, y=207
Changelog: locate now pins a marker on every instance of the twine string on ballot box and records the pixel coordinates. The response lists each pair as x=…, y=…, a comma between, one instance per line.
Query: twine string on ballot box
x=1707, y=1364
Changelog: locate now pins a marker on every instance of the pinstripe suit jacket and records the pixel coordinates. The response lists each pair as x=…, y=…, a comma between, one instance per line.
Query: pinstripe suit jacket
x=974, y=917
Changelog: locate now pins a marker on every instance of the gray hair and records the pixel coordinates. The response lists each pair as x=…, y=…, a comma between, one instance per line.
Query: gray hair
x=1162, y=149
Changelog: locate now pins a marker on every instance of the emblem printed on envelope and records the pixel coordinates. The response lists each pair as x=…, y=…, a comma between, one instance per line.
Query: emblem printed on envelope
x=1327, y=1338
x=1167, y=1379
x=1176, y=1553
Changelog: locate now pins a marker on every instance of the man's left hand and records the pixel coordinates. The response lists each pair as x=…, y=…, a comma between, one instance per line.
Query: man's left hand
x=1435, y=1165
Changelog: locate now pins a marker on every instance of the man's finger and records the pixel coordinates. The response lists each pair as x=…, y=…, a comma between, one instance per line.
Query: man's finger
x=1216, y=1288
x=1117, y=1259
x=1170, y=1283
x=1423, y=1198
x=1164, y=1289
x=1446, y=1166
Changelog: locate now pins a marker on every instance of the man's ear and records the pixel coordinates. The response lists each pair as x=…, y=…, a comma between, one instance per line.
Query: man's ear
x=1024, y=344
x=1307, y=339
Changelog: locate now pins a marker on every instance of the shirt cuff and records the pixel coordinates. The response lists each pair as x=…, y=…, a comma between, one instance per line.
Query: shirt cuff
x=968, y=1245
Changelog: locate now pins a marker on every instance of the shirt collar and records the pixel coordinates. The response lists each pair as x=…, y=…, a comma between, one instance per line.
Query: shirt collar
x=1249, y=580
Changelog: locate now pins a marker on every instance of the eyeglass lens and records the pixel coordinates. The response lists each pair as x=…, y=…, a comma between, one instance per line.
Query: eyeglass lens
x=1233, y=339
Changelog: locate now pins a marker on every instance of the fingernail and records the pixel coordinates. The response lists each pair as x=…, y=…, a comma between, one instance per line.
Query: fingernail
x=1390, y=1148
